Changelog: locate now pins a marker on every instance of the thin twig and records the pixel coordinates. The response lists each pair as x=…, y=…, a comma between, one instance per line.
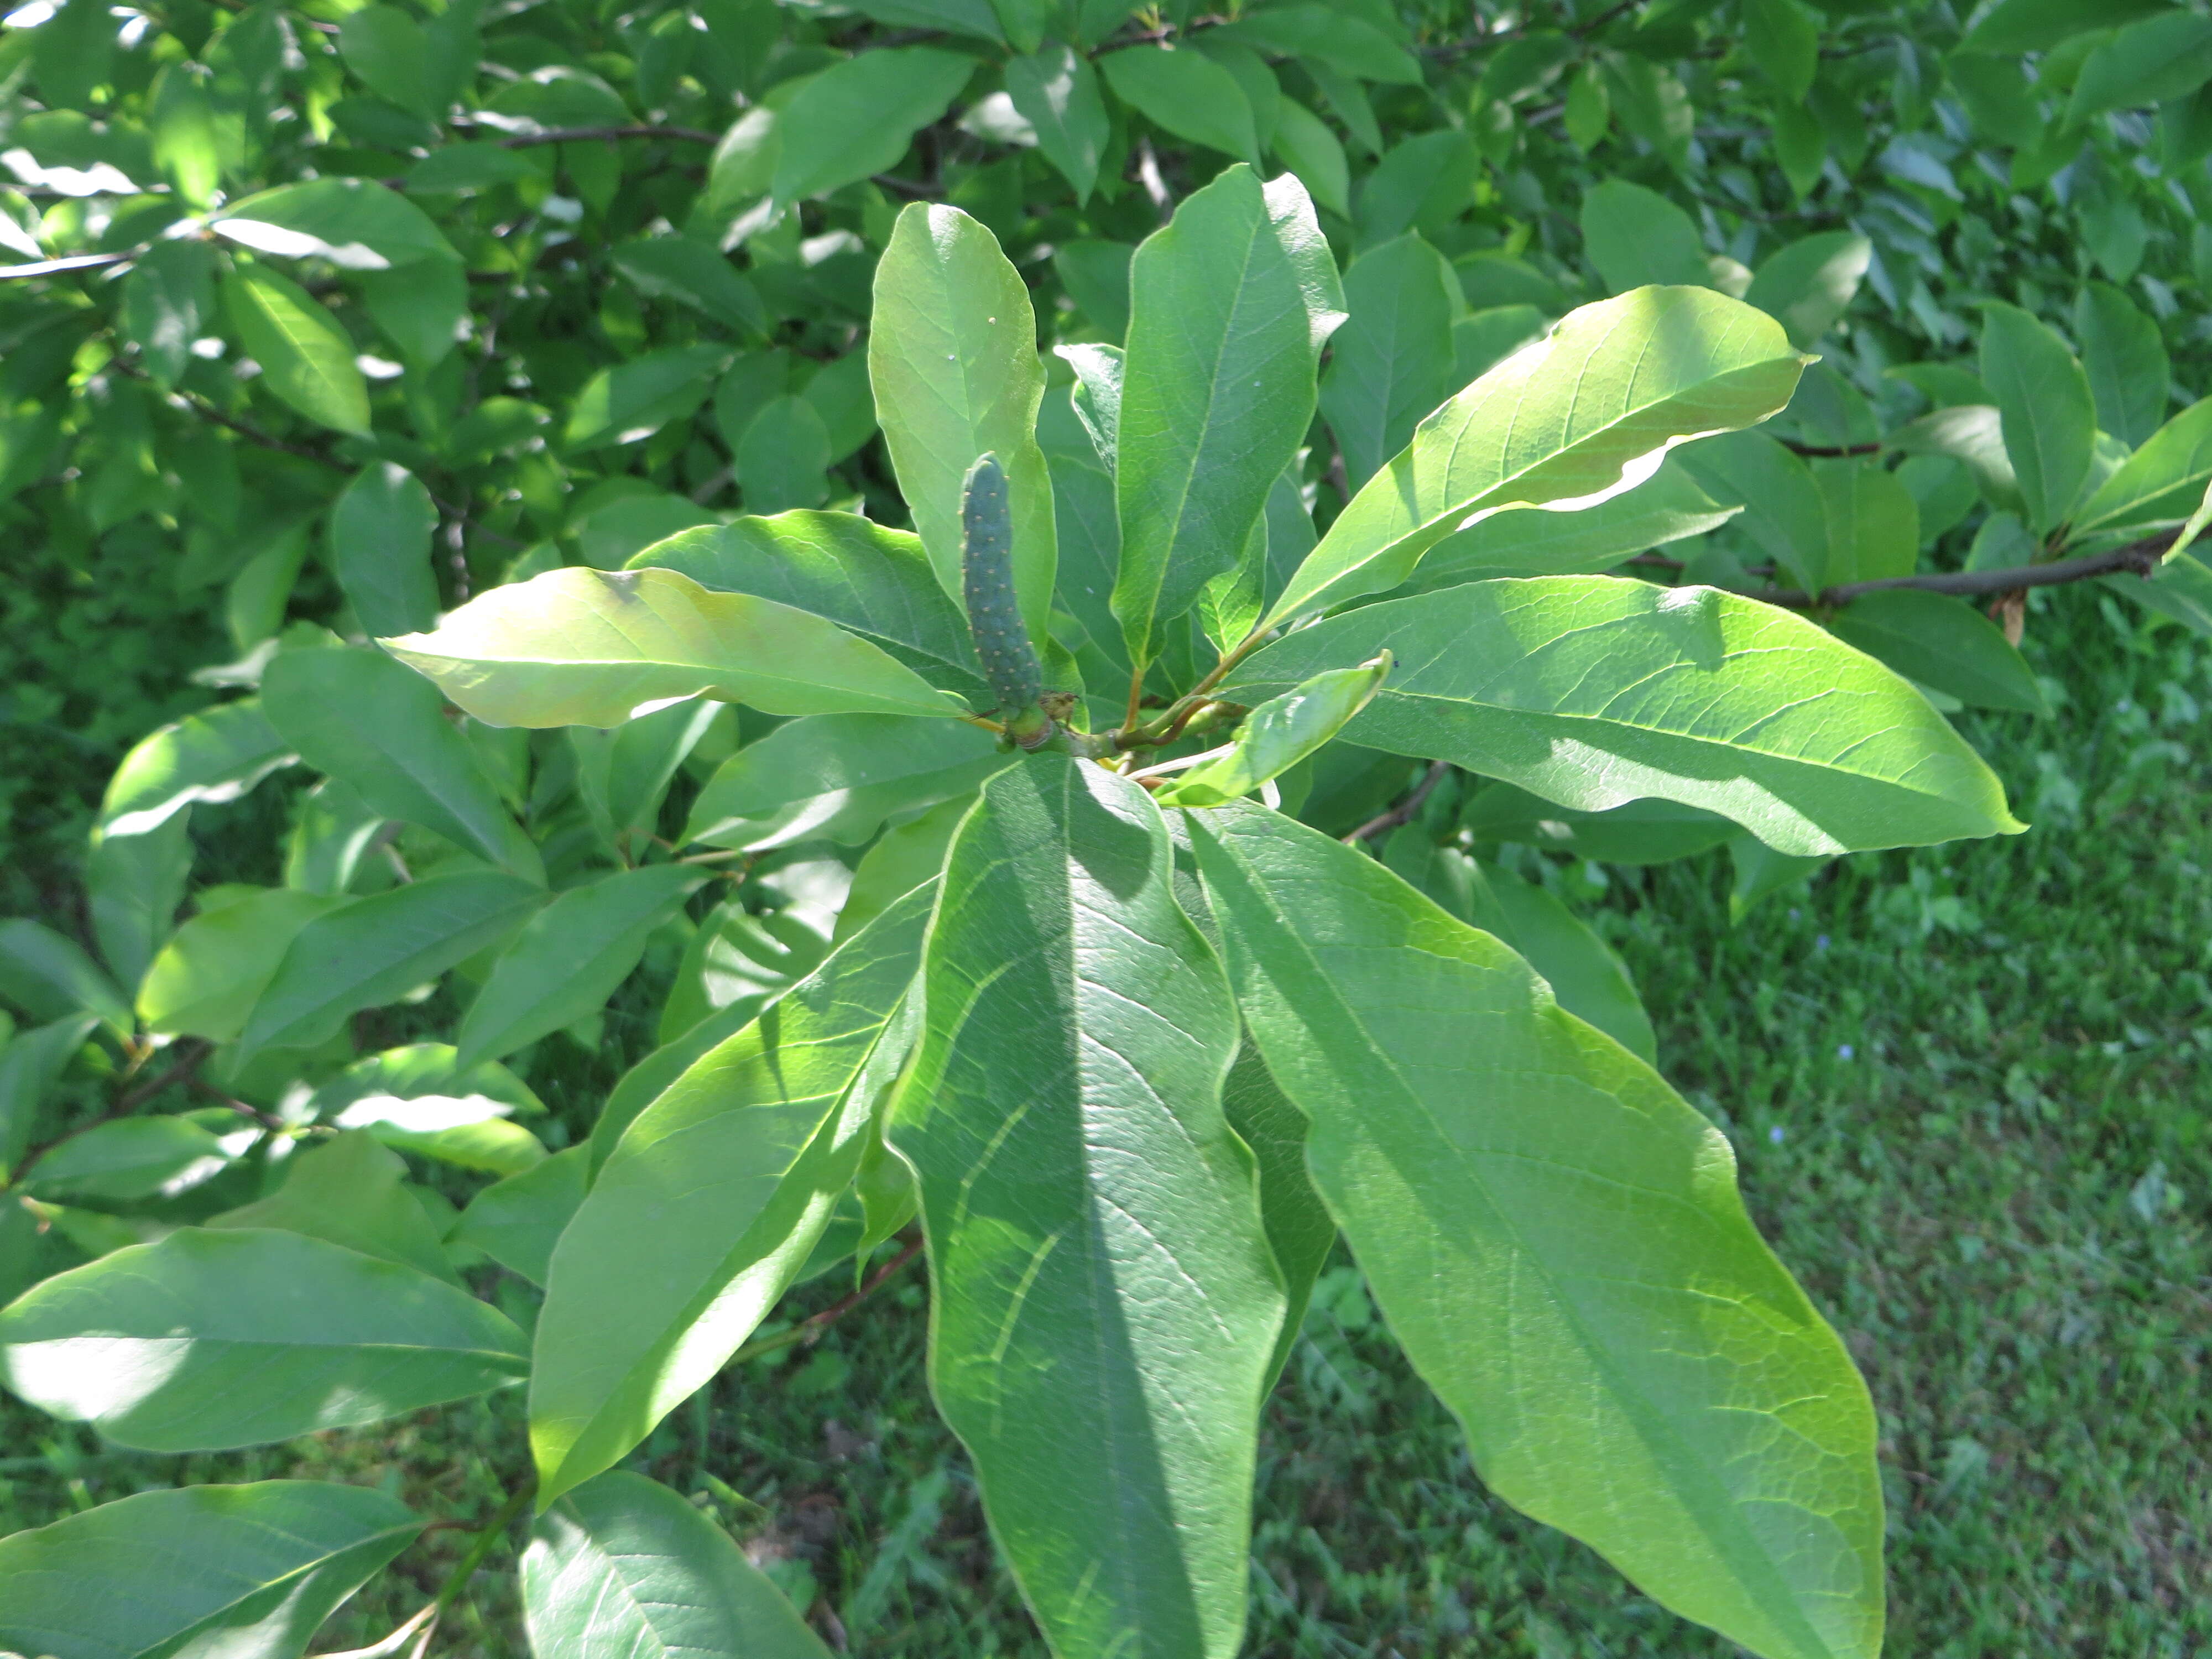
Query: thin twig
x=589, y=135
x=2140, y=558
x=1825, y=451
x=810, y=1329
x=182, y=1071
x=1404, y=811
x=193, y=403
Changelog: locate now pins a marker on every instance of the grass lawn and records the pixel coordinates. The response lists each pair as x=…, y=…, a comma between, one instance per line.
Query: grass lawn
x=1967, y=1088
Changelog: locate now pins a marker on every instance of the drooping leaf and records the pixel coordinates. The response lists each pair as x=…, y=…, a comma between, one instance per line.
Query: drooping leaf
x=1592, y=691
x=569, y=958
x=168, y=300
x=577, y=647
x=623, y=774
x=1056, y=91
x=213, y=1338
x=354, y=712
x=2048, y=412
x=1304, y=144
x=1558, y=1244
x=1588, y=413
x=517, y=1221
x=952, y=357
x=354, y=223
x=869, y=580
x=1635, y=236
x=623, y=1564
x=1807, y=285
x=48, y=975
x=1300, y=1230
x=208, y=977
x=695, y=274
x=635, y=399
x=857, y=118
x=2126, y=361
x=1391, y=363
x=837, y=777
x=305, y=355
x=1783, y=39
x=1189, y=95
x=2164, y=57
x=248, y=1572
x=133, y=885
x=31, y=1062
x=1342, y=38
x=1230, y=304
x=710, y=1201
x=380, y=531
x=1537, y=542
x=376, y=950
x=1941, y=643
x=215, y=755
x=1103, y=1300
x=132, y=1157
x=349, y=1190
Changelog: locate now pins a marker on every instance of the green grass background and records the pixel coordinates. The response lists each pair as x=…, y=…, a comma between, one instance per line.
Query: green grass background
x=1967, y=1088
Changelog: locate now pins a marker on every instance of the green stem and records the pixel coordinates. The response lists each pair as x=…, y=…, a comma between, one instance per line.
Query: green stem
x=457, y=1580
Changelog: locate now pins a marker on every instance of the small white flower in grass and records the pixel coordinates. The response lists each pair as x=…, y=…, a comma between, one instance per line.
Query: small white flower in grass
x=1774, y=1134
x=1843, y=1051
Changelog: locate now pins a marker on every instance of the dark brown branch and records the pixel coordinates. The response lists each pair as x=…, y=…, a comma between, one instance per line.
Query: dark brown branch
x=1404, y=811
x=2140, y=558
x=193, y=403
x=1824, y=451
x=182, y=1071
x=810, y=1329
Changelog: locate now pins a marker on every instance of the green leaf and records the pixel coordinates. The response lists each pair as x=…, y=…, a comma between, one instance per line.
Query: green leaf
x=355, y=223
x=380, y=531
x=420, y=308
x=695, y=274
x=869, y=580
x=622, y=772
x=1391, y=363
x=306, y=357
x=1590, y=981
x=1300, y=1230
x=215, y=755
x=2147, y=62
x=375, y=950
x=133, y=885
x=1783, y=39
x=588, y=647
x=1535, y=542
x=2126, y=361
x=953, y=357
x=782, y=456
x=1940, y=643
x=208, y=977
x=623, y=1564
x=1592, y=691
x=1279, y=734
x=2012, y=27
x=2048, y=412
x=1588, y=413
x=857, y=118
x=1103, y=1301
x=1971, y=435
x=1872, y=523
x=904, y=856
x=168, y=302
x=1424, y=183
x=1304, y=144
x=517, y=1222
x=1557, y=1241
x=837, y=777
x=470, y=1132
x=389, y=53
x=710, y=1202
x=354, y=712
x=1808, y=286
x=1343, y=39
x=1635, y=236
x=1231, y=305
x=248, y=1571
x=2158, y=486
x=349, y=1190
x=133, y=1158
x=48, y=975
x=1056, y=92
x=635, y=399
x=570, y=958
x=31, y=1062
x=1188, y=94
x=213, y=1339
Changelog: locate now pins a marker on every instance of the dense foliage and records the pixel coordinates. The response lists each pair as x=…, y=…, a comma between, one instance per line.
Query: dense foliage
x=535, y=346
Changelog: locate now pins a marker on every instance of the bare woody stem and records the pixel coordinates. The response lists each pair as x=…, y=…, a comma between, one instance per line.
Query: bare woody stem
x=2140, y=558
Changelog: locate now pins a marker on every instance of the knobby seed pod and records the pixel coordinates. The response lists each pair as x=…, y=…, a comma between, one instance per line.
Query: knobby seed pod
x=994, y=614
